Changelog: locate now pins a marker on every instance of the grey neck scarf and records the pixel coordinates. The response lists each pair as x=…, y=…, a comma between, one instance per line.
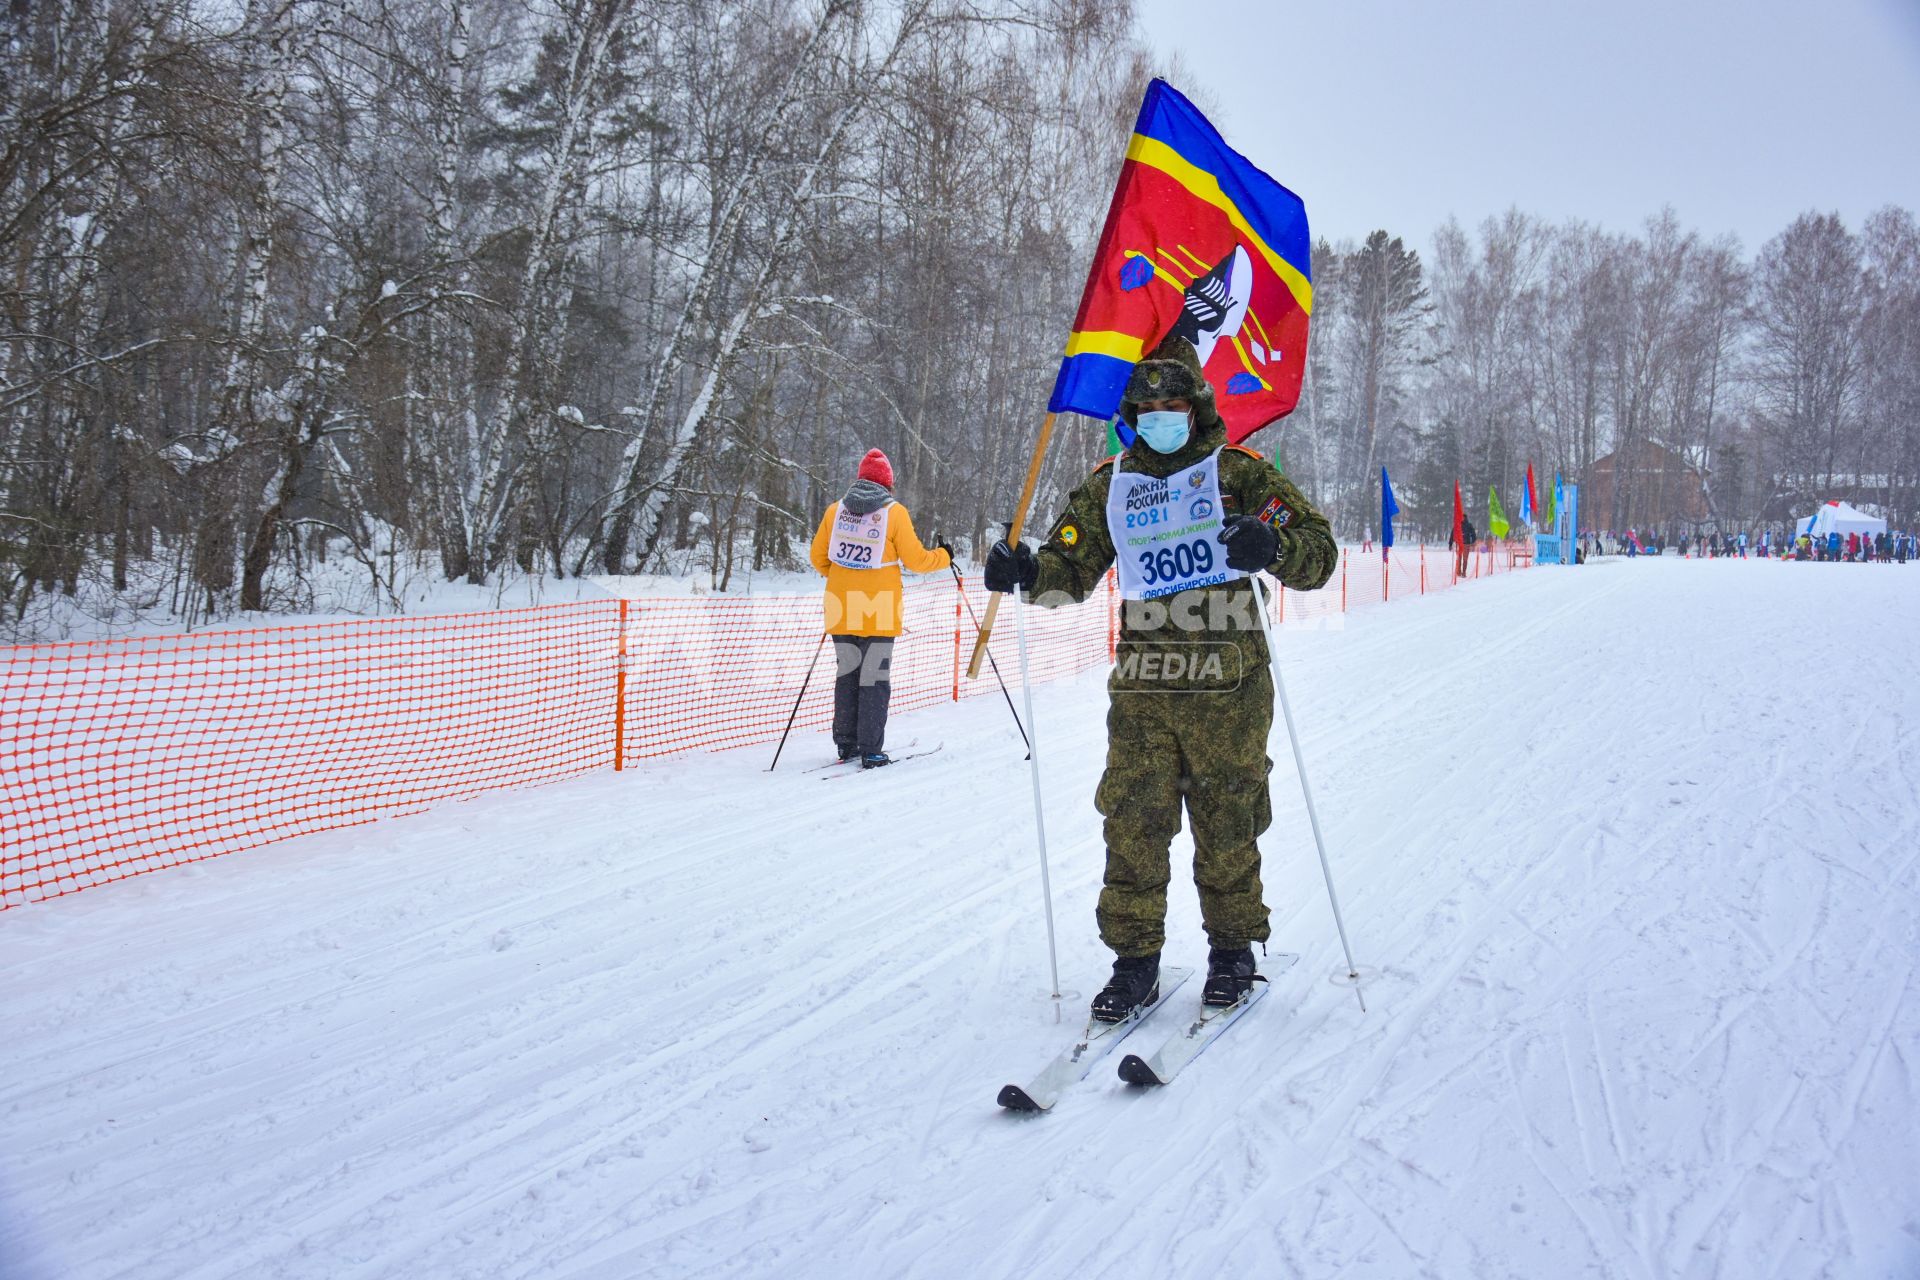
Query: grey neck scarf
x=864, y=497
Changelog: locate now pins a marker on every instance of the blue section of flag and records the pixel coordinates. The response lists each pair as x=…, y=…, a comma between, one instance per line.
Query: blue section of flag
x=1275, y=213
x=1388, y=510
x=1087, y=382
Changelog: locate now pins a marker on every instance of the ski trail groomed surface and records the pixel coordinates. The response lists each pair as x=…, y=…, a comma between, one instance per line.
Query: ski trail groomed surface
x=1633, y=847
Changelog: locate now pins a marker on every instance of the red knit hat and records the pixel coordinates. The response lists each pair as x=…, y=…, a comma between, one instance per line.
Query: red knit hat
x=876, y=468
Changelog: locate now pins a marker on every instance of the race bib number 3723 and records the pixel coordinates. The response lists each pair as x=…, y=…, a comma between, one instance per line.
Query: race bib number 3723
x=858, y=540
x=853, y=553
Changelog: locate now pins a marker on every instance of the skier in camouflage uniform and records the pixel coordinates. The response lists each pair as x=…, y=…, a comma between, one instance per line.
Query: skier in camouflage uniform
x=1191, y=695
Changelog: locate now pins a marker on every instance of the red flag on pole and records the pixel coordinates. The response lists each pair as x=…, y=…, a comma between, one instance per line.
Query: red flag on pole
x=1200, y=243
x=1533, y=501
x=1459, y=514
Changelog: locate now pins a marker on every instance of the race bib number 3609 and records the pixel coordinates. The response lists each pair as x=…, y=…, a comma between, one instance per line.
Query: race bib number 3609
x=1166, y=530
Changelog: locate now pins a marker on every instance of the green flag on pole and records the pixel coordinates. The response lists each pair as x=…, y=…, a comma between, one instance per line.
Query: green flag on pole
x=1496, y=518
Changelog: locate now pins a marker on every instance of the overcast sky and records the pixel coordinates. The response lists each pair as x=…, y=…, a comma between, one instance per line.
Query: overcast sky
x=1396, y=113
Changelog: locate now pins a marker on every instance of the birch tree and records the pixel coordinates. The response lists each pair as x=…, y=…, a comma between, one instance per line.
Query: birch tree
x=1809, y=294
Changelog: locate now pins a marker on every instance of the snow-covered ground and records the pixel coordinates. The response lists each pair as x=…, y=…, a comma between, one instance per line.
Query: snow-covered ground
x=1633, y=847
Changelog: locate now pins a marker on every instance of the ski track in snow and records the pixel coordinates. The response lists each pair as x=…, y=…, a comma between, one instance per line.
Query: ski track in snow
x=1633, y=849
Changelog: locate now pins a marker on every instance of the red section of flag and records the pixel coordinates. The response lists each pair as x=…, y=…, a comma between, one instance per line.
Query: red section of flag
x=1158, y=241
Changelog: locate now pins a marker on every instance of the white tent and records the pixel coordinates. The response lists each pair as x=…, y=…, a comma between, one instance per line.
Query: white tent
x=1841, y=518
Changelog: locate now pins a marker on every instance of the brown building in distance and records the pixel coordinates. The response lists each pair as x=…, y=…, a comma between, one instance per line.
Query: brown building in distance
x=1656, y=488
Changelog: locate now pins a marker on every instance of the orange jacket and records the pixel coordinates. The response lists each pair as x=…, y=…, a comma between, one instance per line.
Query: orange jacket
x=866, y=602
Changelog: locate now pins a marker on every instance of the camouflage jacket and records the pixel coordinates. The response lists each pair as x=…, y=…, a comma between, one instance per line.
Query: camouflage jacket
x=1207, y=637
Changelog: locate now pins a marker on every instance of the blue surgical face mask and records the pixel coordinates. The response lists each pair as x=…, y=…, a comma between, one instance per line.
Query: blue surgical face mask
x=1164, y=430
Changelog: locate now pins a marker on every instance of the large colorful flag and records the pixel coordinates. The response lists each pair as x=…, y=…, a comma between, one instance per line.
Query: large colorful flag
x=1459, y=515
x=1496, y=518
x=1388, y=510
x=1553, y=500
x=1526, y=500
x=1200, y=243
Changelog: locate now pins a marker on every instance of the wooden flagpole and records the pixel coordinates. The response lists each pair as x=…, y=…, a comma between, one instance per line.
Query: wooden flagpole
x=1013, y=539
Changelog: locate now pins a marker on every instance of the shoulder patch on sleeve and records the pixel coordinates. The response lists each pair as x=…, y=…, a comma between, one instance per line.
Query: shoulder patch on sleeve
x=1276, y=513
x=1066, y=530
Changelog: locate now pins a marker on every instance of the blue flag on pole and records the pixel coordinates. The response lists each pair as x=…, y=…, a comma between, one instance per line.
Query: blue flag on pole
x=1388, y=510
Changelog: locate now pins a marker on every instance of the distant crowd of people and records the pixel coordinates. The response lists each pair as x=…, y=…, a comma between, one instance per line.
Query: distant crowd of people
x=1894, y=548
x=1632, y=543
x=1856, y=547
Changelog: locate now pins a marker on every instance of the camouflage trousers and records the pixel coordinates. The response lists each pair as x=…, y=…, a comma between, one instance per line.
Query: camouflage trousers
x=1207, y=751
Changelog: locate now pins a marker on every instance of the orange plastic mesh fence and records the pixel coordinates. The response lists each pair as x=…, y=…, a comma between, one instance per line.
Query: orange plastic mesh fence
x=124, y=756
x=708, y=673
x=1408, y=571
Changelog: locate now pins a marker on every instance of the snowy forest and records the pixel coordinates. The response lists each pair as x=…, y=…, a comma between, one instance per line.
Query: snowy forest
x=550, y=288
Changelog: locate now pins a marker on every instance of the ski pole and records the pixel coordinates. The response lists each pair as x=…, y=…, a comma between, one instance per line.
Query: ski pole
x=796, y=703
x=1306, y=790
x=961, y=587
x=1033, y=756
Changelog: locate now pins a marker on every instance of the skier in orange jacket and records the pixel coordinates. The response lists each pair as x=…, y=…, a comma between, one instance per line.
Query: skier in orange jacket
x=863, y=542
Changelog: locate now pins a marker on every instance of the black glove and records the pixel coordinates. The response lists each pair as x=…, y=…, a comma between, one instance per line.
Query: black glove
x=941, y=544
x=1250, y=543
x=1010, y=567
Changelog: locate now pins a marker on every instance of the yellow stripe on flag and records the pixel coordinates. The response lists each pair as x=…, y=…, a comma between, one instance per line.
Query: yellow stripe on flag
x=1202, y=185
x=1194, y=258
x=1247, y=364
x=1105, y=342
x=1259, y=329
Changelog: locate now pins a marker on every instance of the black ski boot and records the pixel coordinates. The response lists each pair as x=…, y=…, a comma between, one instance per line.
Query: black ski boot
x=1230, y=976
x=876, y=760
x=1135, y=982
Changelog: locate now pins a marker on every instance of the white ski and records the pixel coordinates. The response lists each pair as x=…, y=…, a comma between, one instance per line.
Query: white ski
x=1190, y=1041
x=899, y=759
x=855, y=760
x=1077, y=1060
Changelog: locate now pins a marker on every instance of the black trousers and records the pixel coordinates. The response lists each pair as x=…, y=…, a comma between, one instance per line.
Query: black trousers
x=862, y=687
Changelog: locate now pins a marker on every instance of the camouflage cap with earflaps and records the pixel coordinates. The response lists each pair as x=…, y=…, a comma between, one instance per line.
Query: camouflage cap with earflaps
x=1171, y=371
